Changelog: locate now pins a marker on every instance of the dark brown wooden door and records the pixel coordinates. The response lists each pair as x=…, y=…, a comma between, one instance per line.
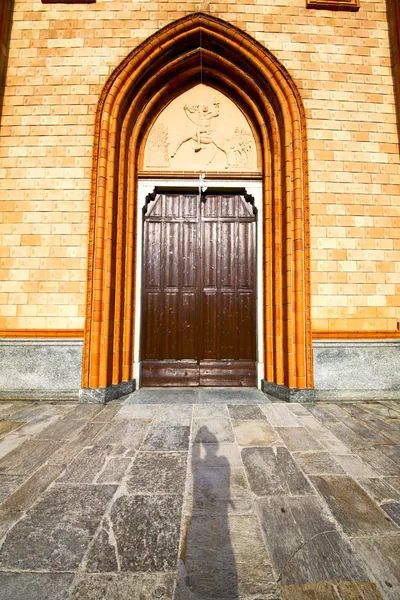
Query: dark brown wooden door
x=199, y=291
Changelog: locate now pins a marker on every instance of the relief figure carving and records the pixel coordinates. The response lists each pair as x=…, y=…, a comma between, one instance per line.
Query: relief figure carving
x=204, y=134
x=242, y=146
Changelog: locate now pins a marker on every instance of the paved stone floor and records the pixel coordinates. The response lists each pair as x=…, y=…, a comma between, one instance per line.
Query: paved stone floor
x=199, y=494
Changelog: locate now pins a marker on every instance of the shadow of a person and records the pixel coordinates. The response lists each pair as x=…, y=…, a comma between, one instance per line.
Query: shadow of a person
x=208, y=567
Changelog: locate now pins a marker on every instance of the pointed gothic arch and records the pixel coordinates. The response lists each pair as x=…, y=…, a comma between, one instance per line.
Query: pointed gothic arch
x=152, y=75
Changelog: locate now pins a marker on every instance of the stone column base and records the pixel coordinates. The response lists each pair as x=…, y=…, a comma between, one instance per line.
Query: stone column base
x=104, y=395
x=282, y=392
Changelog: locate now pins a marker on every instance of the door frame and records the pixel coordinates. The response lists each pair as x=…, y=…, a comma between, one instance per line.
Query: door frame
x=253, y=188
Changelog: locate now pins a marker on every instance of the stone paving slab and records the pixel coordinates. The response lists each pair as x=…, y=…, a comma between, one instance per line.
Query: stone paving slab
x=143, y=535
x=8, y=483
x=96, y=586
x=56, y=530
x=34, y=586
x=354, y=510
x=273, y=471
x=7, y=426
x=197, y=494
x=304, y=544
x=381, y=554
x=28, y=457
x=158, y=473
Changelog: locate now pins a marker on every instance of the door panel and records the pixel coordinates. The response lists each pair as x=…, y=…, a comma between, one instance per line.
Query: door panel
x=199, y=302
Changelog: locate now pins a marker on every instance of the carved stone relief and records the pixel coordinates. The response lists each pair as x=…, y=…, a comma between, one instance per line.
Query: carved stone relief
x=201, y=130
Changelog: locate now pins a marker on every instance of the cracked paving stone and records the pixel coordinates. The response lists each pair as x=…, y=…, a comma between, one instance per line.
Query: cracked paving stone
x=318, y=463
x=382, y=557
x=167, y=438
x=145, y=530
x=255, y=433
x=28, y=457
x=34, y=586
x=102, y=556
x=56, y=531
x=351, y=506
x=86, y=466
x=129, y=433
x=224, y=557
x=304, y=544
x=393, y=510
x=158, y=473
x=211, y=431
x=123, y=586
x=298, y=439
x=246, y=412
x=273, y=471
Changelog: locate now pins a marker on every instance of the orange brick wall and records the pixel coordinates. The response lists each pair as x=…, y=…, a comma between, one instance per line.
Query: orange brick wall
x=60, y=57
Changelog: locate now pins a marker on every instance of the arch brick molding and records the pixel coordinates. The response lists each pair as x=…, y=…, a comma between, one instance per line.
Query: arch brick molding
x=160, y=69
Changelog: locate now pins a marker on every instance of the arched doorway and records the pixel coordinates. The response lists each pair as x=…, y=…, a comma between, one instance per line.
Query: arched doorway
x=198, y=48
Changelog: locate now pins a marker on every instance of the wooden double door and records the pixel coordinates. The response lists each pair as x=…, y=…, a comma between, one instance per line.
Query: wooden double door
x=199, y=291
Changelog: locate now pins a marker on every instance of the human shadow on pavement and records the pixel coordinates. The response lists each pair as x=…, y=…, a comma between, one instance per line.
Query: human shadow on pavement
x=207, y=565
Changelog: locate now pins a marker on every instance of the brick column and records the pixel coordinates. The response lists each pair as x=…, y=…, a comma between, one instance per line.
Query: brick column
x=394, y=30
x=6, y=9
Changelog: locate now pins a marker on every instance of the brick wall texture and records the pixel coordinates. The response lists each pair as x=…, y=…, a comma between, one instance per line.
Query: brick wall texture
x=60, y=57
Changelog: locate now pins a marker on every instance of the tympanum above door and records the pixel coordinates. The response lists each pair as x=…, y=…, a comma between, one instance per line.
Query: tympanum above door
x=201, y=130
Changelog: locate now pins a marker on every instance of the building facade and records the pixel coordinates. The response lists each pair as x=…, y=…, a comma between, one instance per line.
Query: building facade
x=200, y=194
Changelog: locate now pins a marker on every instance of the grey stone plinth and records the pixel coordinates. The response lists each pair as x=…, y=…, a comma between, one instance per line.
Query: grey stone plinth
x=282, y=392
x=357, y=369
x=111, y=392
x=40, y=368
